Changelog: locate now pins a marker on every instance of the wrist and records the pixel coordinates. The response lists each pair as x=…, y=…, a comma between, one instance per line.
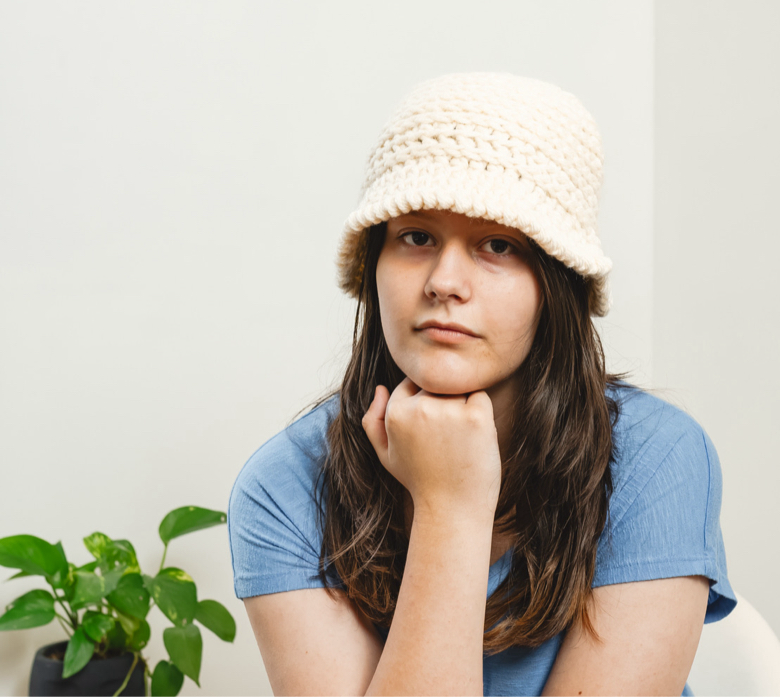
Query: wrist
x=452, y=516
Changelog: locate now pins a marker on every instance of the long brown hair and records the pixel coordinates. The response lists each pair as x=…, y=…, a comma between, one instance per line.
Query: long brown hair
x=556, y=480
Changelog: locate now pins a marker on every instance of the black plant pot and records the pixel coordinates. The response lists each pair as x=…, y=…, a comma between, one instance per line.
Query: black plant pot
x=101, y=676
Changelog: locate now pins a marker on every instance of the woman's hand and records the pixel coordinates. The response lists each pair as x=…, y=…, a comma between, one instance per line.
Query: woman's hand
x=443, y=449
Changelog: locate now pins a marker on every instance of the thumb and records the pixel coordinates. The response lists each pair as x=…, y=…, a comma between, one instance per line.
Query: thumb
x=374, y=422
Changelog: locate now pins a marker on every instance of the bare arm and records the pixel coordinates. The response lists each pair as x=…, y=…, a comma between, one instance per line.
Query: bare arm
x=312, y=645
x=650, y=631
x=445, y=453
x=434, y=646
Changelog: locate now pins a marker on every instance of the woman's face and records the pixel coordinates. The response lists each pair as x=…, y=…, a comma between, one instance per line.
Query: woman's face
x=450, y=268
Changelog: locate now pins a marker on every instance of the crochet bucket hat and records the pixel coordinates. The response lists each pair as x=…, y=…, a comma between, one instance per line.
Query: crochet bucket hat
x=515, y=150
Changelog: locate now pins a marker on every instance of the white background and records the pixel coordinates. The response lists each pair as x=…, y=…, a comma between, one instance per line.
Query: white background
x=174, y=177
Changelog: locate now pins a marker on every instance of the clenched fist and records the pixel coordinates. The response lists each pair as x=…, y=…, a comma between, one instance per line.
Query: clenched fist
x=443, y=449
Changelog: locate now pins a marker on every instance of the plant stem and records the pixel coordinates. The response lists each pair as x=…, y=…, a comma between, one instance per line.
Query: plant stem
x=127, y=677
x=147, y=678
x=72, y=618
x=165, y=551
x=64, y=626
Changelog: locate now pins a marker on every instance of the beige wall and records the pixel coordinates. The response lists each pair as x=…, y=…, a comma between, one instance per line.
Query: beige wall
x=716, y=323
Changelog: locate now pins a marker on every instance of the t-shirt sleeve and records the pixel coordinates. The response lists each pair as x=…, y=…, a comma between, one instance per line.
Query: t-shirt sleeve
x=665, y=521
x=272, y=521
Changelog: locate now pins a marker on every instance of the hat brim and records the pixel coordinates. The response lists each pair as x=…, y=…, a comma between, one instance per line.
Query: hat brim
x=526, y=208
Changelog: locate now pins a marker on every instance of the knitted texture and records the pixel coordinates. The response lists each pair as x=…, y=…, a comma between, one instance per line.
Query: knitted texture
x=515, y=150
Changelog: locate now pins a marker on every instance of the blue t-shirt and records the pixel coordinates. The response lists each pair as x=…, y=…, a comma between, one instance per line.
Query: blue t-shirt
x=664, y=515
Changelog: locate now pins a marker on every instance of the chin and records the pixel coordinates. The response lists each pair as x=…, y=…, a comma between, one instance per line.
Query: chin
x=443, y=385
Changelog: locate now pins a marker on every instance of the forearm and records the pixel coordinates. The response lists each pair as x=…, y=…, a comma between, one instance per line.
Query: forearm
x=434, y=646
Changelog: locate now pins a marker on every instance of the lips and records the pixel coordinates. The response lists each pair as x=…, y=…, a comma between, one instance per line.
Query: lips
x=452, y=326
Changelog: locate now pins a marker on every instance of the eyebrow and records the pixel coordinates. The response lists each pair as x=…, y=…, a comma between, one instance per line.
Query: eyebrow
x=417, y=214
x=478, y=222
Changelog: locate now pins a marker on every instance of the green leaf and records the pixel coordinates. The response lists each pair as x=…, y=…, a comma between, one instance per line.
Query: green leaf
x=185, y=647
x=112, y=554
x=19, y=575
x=175, y=594
x=77, y=655
x=140, y=637
x=188, y=519
x=35, y=556
x=96, y=624
x=68, y=583
x=122, y=551
x=90, y=588
x=130, y=596
x=62, y=578
x=33, y=609
x=167, y=680
x=112, y=578
x=88, y=567
x=214, y=616
x=117, y=637
x=97, y=543
x=128, y=623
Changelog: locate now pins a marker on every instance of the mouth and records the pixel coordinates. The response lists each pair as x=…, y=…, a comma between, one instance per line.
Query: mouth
x=446, y=336
x=447, y=327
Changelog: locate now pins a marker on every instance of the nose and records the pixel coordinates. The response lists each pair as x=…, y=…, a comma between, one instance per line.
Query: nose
x=450, y=274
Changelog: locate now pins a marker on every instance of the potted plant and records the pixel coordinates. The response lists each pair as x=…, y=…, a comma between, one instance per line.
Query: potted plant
x=102, y=655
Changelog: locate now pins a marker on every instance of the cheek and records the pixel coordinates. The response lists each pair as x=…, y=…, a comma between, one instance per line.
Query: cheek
x=515, y=315
x=391, y=303
x=394, y=290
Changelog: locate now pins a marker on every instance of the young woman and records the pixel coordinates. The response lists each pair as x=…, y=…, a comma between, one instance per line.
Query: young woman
x=480, y=508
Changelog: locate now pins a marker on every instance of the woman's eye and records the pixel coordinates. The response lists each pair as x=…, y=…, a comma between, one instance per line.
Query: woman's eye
x=503, y=246
x=498, y=247
x=416, y=237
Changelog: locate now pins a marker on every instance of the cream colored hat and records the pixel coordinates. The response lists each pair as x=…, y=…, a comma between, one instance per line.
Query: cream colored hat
x=511, y=149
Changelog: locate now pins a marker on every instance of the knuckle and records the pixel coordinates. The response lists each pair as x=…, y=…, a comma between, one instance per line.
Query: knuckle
x=426, y=410
x=391, y=416
x=473, y=418
x=483, y=403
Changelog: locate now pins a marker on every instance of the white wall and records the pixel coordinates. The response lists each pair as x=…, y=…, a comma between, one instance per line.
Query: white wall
x=716, y=328
x=174, y=180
